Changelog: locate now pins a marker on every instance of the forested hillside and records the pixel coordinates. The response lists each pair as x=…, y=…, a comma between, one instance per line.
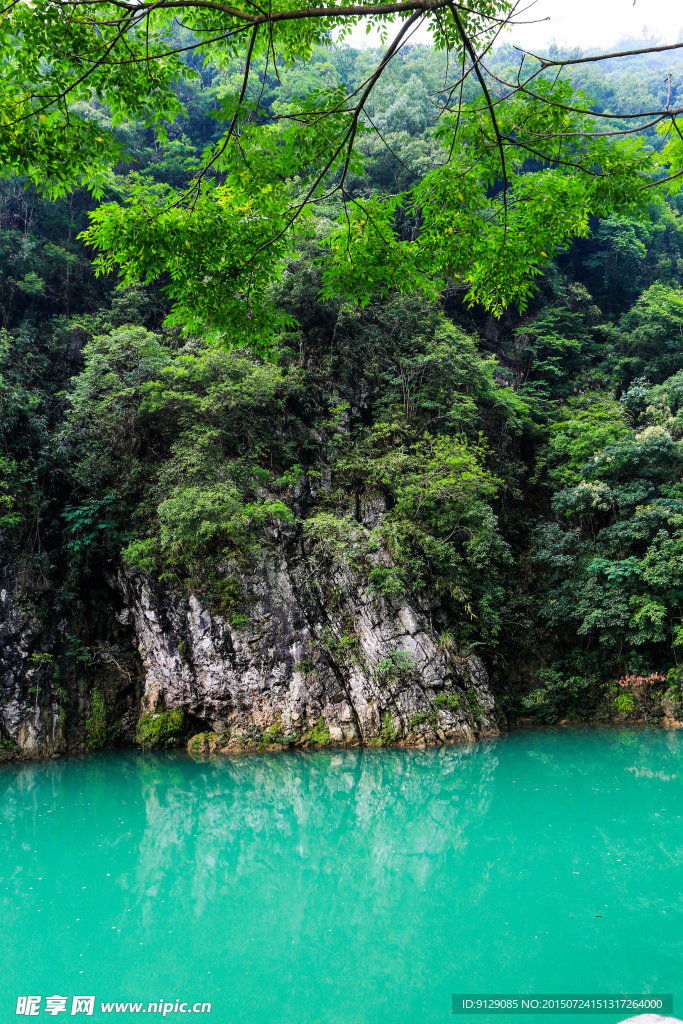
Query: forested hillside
x=523, y=468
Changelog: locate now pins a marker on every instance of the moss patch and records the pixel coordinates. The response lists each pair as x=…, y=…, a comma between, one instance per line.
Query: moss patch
x=162, y=730
x=417, y=720
x=274, y=737
x=447, y=700
x=8, y=749
x=388, y=730
x=98, y=727
x=319, y=734
x=206, y=742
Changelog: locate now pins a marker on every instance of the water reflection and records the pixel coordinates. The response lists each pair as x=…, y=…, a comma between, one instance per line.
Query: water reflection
x=347, y=885
x=396, y=813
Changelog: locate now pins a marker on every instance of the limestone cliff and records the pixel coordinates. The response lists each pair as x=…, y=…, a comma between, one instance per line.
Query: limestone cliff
x=313, y=662
x=56, y=669
x=30, y=719
x=310, y=662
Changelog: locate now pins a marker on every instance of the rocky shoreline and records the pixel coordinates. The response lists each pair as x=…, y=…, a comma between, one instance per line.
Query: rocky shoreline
x=311, y=664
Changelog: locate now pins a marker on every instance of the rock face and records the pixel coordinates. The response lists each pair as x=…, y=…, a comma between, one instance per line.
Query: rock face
x=311, y=663
x=314, y=660
x=30, y=723
x=49, y=680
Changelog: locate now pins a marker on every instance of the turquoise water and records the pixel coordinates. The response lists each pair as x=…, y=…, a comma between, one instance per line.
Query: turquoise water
x=346, y=886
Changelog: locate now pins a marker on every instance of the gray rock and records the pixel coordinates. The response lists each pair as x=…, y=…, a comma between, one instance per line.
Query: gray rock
x=318, y=660
x=30, y=723
x=45, y=685
x=370, y=669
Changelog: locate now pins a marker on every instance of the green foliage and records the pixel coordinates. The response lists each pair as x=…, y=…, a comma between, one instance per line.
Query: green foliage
x=337, y=541
x=385, y=580
x=191, y=421
x=142, y=554
x=587, y=425
x=99, y=729
x=625, y=703
x=205, y=742
x=319, y=735
x=87, y=526
x=388, y=733
x=248, y=130
x=518, y=477
x=164, y=729
x=448, y=701
x=439, y=527
x=650, y=333
x=558, y=696
x=620, y=582
x=78, y=651
x=496, y=252
x=273, y=736
x=197, y=249
x=194, y=518
x=343, y=646
x=396, y=666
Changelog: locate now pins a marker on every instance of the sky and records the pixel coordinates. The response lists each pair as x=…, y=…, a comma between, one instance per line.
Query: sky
x=585, y=23
x=599, y=22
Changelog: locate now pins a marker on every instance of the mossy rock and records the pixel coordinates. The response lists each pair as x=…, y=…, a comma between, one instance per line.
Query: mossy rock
x=8, y=749
x=447, y=701
x=319, y=734
x=163, y=730
x=273, y=735
x=388, y=729
x=418, y=719
x=206, y=742
x=99, y=729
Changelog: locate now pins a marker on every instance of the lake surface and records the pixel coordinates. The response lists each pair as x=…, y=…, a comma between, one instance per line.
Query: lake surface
x=346, y=886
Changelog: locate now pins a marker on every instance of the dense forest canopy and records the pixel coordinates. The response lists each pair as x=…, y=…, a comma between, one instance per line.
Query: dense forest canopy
x=462, y=308
x=471, y=213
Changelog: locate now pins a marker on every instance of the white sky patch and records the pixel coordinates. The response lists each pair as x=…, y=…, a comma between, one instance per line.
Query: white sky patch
x=585, y=23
